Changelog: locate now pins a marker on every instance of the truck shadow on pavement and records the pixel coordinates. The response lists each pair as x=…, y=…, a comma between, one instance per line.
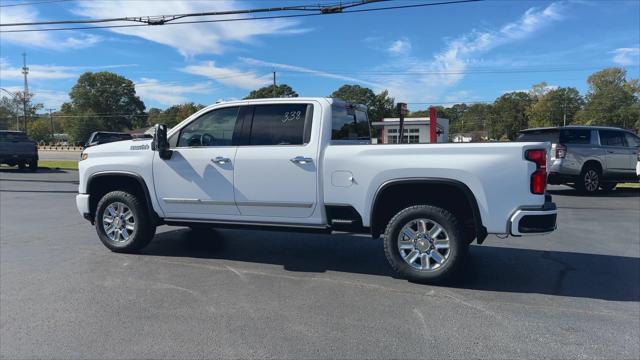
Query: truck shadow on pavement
x=501, y=269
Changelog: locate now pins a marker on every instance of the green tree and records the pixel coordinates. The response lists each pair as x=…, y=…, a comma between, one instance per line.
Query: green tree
x=110, y=96
x=477, y=117
x=175, y=114
x=279, y=91
x=153, y=116
x=553, y=106
x=40, y=130
x=611, y=99
x=382, y=106
x=9, y=113
x=510, y=115
x=355, y=94
x=80, y=126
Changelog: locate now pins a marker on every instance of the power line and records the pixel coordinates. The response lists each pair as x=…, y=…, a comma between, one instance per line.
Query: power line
x=163, y=19
x=227, y=20
x=35, y=3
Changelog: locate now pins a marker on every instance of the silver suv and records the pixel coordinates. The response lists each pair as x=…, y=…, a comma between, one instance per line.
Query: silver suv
x=589, y=157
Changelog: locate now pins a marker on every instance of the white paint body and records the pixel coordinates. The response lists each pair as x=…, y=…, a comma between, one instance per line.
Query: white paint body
x=261, y=185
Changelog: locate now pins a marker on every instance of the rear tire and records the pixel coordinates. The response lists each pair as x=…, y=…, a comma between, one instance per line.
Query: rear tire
x=122, y=222
x=589, y=180
x=425, y=244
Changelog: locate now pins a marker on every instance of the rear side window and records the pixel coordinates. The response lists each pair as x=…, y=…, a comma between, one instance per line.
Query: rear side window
x=13, y=136
x=575, y=136
x=281, y=124
x=612, y=138
x=539, y=136
x=349, y=123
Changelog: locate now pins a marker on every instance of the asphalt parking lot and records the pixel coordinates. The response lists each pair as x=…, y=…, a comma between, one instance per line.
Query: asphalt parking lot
x=249, y=294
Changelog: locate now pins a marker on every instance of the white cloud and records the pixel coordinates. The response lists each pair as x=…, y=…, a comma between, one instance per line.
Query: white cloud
x=188, y=39
x=305, y=70
x=169, y=93
x=626, y=56
x=40, y=39
x=400, y=47
x=248, y=80
x=446, y=69
x=49, y=72
x=36, y=72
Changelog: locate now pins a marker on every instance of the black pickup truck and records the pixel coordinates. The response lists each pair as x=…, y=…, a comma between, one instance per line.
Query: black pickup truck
x=17, y=149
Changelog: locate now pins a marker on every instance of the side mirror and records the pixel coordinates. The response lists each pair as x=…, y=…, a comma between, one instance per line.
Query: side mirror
x=160, y=142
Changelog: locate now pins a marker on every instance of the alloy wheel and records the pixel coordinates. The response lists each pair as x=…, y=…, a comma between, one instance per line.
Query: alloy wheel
x=424, y=244
x=118, y=222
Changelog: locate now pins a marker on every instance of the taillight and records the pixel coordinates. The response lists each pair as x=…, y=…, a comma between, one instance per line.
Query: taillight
x=539, y=177
x=561, y=151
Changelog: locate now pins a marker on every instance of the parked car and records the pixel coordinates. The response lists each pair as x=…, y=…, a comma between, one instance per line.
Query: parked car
x=104, y=137
x=589, y=157
x=17, y=149
x=307, y=164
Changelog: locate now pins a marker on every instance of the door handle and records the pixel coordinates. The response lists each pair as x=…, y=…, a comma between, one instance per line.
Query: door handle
x=301, y=160
x=611, y=152
x=221, y=160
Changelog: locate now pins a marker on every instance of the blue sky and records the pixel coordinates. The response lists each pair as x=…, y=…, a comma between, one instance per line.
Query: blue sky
x=433, y=55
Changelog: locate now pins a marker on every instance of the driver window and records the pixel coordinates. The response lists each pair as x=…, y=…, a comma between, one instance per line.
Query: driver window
x=214, y=128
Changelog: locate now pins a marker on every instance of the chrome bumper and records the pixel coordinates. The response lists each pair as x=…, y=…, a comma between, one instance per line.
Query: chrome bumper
x=534, y=221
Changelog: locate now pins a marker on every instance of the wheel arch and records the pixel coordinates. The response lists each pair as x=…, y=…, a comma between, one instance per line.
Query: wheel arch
x=103, y=182
x=377, y=216
x=592, y=163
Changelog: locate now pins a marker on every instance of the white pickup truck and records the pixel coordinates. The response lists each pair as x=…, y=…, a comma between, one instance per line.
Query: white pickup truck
x=308, y=164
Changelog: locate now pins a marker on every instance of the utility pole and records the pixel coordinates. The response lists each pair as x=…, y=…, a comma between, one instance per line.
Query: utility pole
x=51, y=121
x=25, y=71
x=564, y=109
x=401, y=108
x=274, y=83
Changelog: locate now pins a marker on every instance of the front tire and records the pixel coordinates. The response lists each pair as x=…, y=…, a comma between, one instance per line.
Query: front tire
x=122, y=222
x=425, y=244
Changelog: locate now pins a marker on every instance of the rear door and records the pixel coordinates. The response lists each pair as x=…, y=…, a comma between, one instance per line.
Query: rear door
x=617, y=153
x=276, y=171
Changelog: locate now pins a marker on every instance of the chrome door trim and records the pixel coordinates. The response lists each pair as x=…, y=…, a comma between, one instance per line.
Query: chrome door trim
x=196, y=201
x=243, y=203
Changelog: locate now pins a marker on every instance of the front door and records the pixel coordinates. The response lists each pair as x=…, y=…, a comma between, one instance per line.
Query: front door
x=197, y=181
x=276, y=172
x=616, y=152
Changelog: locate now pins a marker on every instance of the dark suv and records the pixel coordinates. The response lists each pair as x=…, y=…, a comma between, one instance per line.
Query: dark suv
x=103, y=137
x=588, y=157
x=17, y=149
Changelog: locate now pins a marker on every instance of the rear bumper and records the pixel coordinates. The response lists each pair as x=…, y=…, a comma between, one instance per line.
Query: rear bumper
x=534, y=221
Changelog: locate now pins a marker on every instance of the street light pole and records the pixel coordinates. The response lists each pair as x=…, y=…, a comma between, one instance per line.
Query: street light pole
x=51, y=121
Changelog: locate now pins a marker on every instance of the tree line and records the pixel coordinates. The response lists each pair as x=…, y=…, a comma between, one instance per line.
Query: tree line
x=108, y=101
